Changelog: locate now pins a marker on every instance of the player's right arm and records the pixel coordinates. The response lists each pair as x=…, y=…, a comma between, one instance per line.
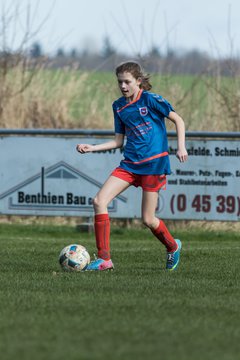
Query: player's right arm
x=117, y=142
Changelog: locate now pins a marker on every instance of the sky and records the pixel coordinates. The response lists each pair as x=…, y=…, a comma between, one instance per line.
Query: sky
x=133, y=26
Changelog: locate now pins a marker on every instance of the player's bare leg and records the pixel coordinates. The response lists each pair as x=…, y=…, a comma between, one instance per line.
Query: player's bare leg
x=159, y=229
x=149, y=205
x=112, y=187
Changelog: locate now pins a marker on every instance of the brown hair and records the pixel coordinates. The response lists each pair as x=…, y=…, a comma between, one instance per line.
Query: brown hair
x=137, y=72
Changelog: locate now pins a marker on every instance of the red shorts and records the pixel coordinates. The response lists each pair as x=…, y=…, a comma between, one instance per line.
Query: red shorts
x=147, y=182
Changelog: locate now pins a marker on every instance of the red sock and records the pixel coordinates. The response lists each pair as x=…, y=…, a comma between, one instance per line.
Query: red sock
x=162, y=233
x=102, y=234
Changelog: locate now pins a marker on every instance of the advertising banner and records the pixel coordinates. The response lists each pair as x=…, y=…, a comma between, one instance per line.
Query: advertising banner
x=47, y=176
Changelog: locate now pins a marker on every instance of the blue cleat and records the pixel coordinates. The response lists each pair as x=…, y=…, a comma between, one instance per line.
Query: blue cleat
x=100, y=265
x=173, y=258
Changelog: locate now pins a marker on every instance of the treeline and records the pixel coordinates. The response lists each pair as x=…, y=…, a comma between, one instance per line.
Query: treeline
x=192, y=62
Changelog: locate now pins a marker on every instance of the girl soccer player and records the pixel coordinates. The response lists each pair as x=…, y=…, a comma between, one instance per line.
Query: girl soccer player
x=140, y=116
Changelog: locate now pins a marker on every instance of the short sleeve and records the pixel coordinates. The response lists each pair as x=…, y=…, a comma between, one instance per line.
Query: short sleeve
x=161, y=105
x=118, y=124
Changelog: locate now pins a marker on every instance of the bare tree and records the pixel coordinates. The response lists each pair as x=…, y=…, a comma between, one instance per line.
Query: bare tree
x=18, y=31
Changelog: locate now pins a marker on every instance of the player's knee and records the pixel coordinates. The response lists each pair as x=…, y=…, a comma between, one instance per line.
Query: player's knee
x=98, y=203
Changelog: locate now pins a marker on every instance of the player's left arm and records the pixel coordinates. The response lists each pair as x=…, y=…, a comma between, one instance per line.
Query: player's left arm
x=182, y=154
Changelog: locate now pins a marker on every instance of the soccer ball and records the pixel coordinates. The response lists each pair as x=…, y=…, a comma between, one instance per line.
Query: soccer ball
x=74, y=258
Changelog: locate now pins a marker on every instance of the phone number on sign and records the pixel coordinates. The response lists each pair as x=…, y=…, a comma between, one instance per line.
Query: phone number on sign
x=229, y=204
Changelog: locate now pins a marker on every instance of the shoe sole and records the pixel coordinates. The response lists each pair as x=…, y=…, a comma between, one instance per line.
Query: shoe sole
x=94, y=270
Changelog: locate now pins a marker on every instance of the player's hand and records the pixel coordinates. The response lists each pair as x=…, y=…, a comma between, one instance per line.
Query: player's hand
x=84, y=148
x=182, y=155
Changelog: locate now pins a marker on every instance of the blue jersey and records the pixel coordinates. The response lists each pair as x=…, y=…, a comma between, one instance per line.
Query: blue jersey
x=143, y=123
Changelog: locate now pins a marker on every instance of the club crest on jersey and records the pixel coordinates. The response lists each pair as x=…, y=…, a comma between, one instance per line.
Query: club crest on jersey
x=143, y=111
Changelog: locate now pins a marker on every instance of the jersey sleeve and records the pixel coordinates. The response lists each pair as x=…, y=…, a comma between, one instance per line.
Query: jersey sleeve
x=118, y=124
x=161, y=105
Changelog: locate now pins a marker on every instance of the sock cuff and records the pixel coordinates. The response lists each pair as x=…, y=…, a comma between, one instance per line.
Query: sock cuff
x=101, y=217
x=159, y=228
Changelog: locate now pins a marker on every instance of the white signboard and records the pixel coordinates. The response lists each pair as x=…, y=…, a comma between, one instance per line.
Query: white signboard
x=46, y=176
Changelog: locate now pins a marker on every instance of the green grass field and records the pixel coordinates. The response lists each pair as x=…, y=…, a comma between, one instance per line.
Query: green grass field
x=138, y=311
